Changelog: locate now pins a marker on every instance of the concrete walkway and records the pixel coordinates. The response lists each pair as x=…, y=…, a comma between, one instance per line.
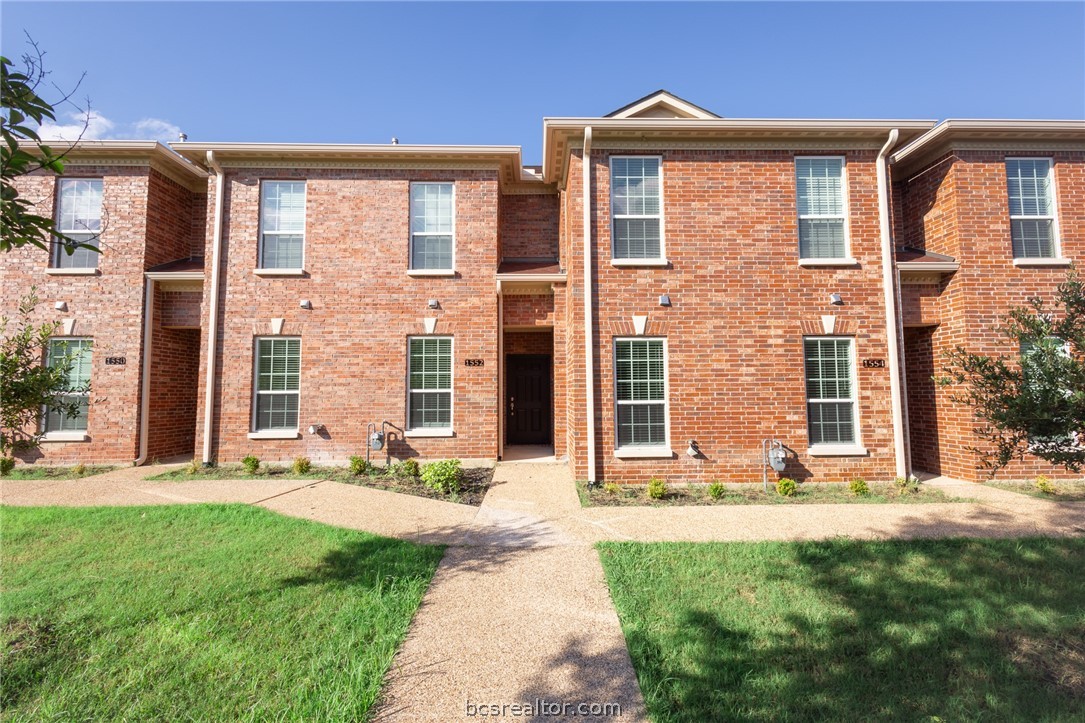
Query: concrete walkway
x=519, y=610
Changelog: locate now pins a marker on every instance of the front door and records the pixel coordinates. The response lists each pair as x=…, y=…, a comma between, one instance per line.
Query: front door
x=527, y=399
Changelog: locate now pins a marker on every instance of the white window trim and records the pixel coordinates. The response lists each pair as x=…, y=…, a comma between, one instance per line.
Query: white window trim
x=74, y=435
x=284, y=433
x=643, y=451
x=53, y=268
x=411, y=271
x=408, y=430
x=1056, y=238
x=847, y=259
x=260, y=270
x=661, y=260
x=856, y=448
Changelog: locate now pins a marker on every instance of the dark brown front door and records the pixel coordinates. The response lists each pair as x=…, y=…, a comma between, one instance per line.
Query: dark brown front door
x=527, y=399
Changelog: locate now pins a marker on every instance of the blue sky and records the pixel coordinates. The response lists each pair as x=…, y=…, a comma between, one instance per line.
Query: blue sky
x=487, y=73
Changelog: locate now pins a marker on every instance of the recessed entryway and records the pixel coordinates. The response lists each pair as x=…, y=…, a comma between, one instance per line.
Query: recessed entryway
x=528, y=392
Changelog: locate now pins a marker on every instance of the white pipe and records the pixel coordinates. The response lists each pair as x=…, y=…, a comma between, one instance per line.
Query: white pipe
x=145, y=384
x=892, y=321
x=589, y=343
x=213, y=313
x=501, y=404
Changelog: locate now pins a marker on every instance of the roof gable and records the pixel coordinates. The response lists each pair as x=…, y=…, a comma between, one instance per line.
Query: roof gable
x=661, y=104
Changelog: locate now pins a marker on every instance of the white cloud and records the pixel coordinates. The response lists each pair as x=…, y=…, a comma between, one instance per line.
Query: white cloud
x=96, y=126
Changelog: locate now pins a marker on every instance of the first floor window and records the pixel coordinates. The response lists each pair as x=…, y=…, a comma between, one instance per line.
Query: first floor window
x=278, y=383
x=1041, y=362
x=819, y=188
x=79, y=220
x=282, y=224
x=430, y=392
x=432, y=226
x=830, y=390
x=1032, y=207
x=77, y=351
x=641, y=392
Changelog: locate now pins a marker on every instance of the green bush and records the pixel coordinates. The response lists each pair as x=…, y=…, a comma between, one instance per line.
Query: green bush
x=716, y=490
x=444, y=477
x=907, y=485
x=302, y=465
x=79, y=470
x=409, y=468
x=1045, y=485
x=358, y=465
x=612, y=488
x=6, y=465
x=859, y=487
x=786, y=487
x=251, y=464
x=194, y=466
x=657, y=488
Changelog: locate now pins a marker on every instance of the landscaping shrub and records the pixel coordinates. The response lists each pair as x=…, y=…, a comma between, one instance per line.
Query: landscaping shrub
x=716, y=490
x=358, y=465
x=786, y=487
x=859, y=487
x=612, y=488
x=657, y=488
x=1045, y=485
x=193, y=467
x=6, y=465
x=443, y=477
x=409, y=467
x=302, y=465
x=79, y=469
x=251, y=464
x=907, y=485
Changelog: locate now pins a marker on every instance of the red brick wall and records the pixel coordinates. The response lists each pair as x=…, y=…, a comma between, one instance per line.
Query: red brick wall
x=175, y=359
x=734, y=331
x=919, y=304
x=529, y=309
x=365, y=306
x=529, y=342
x=921, y=366
x=169, y=220
x=529, y=226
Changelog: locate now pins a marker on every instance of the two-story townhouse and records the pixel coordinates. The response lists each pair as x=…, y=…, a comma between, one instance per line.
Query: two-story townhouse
x=989, y=214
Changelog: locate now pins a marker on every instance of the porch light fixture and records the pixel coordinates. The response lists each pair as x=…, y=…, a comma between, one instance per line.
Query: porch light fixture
x=314, y=428
x=306, y=304
x=835, y=300
x=664, y=299
x=61, y=306
x=433, y=304
x=692, y=450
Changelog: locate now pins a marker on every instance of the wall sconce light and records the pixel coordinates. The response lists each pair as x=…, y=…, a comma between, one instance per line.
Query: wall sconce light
x=433, y=304
x=664, y=299
x=306, y=304
x=315, y=428
x=61, y=306
x=692, y=450
x=835, y=300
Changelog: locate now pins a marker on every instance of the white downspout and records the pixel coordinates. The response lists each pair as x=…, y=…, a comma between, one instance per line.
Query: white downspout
x=589, y=342
x=213, y=314
x=501, y=371
x=892, y=321
x=145, y=385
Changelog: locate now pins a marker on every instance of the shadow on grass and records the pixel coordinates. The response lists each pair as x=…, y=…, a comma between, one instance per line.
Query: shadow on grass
x=845, y=630
x=372, y=563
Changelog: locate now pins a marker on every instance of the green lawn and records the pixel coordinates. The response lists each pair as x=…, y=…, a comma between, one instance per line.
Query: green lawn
x=955, y=630
x=208, y=612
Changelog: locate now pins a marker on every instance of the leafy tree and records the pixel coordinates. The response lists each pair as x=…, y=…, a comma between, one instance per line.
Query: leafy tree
x=22, y=151
x=1033, y=398
x=27, y=385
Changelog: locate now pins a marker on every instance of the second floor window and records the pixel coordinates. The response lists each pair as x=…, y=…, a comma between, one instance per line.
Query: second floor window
x=1032, y=207
x=819, y=189
x=432, y=226
x=282, y=224
x=636, y=208
x=79, y=219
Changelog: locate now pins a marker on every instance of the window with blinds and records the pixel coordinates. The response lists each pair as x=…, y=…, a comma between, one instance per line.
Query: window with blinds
x=282, y=224
x=278, y=383
x=78, y=384
x=79, y=220
x=819, y=188
x=830, y=390
x=1032, y=208
x=640, y=392
x=432, y=226
x=430, y=384
x=636, y=207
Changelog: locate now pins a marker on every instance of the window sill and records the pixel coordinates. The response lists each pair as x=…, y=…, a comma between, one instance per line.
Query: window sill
x=275, y=434
x=65, y=437
x=72, y=272
x=279, y=272
x=1041, y=262
x=660, y=452
x=432, y=432
x=431, y=272
x=836, y=450
x=639, y=262
x=814, y=263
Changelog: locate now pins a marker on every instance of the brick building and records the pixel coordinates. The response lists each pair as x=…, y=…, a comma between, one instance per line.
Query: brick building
x=666, y=293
